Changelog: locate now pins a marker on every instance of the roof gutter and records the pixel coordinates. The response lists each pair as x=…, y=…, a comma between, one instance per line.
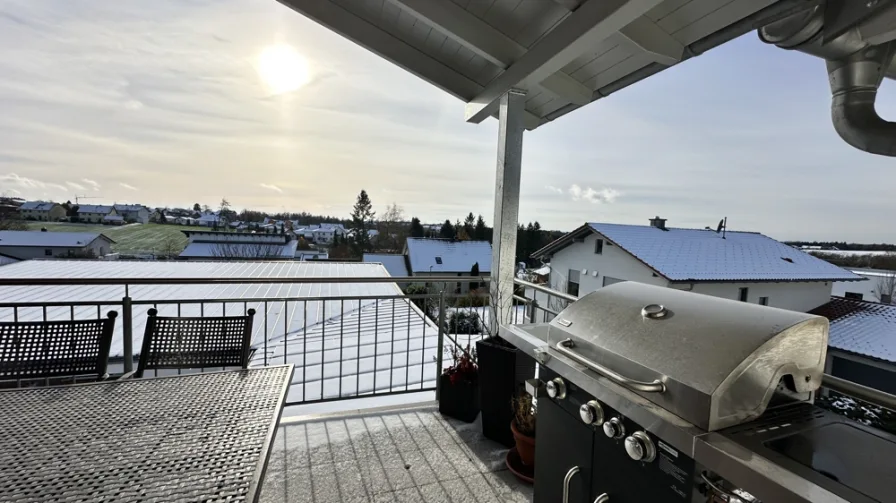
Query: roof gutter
x=855, y=68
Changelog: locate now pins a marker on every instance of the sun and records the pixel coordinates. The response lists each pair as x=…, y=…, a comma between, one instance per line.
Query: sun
x=282, y=69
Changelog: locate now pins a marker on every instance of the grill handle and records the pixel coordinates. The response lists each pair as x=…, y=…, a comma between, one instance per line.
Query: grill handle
x=656, y=386
x=572, y=471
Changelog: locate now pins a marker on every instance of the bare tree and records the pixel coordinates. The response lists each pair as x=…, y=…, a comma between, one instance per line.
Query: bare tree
x=12, y=224
x=392, y=229
x=886, y=288
x=170, y=247
x=259, y=250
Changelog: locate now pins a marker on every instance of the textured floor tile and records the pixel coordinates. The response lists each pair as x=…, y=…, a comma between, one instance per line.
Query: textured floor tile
x=419, y=468
x=373, y=475
x=508, y=487
x=432, y=493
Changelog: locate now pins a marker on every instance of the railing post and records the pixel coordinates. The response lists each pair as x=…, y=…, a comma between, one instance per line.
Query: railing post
x=127, y=325
x=440, y=345
x=533, y=306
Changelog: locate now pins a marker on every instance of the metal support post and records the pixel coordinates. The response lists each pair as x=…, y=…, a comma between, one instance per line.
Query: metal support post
x=533, y=306
x=507, y=206
x=440, y=345
x=127, y=325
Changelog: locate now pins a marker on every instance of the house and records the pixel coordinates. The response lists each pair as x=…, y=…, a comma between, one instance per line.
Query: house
x=745, y=266
x=94, y=213
x=133, y=213
x=210, y=220
x=862, y=342
x=396, y=264
x=185, y=221
x=448, y=258
x=213, y=245
x=24, y=245
x=881, y=283
x=43, y=211
x=326, y=233
x=113, y=220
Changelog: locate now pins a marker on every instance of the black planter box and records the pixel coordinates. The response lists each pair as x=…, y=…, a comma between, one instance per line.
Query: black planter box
x=460, y=401
x=503, y=371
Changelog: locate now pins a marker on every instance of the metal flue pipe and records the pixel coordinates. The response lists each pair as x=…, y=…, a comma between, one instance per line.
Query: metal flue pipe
x=855, y=72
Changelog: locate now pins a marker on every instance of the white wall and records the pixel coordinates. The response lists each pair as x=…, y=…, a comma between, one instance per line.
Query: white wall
x=793, y=296
x=868, y=289
x=613, y=262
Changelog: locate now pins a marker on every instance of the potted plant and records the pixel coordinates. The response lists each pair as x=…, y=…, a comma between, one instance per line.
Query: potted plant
x=459, y=386
x=523, y=428
x=504, y=370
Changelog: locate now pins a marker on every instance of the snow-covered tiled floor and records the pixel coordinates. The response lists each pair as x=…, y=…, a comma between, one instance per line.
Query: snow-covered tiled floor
x=411, y=454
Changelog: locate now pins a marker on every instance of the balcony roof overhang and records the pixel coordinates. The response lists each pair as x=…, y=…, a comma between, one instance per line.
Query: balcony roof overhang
x=564, y=54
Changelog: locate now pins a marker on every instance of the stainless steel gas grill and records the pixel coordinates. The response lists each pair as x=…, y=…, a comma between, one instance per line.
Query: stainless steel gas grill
x=658, y=395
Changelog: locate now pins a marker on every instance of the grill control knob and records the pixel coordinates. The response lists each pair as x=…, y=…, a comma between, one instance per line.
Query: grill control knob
x=639, y=447
x=556, y=388
x=592, y=413
x=614, y=428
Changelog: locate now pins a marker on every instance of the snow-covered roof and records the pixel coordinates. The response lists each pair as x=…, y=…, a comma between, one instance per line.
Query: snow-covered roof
x=704, y=255
x=94, y=208
x=209, y=217
x=292, y=322
x=311, y=255
x=395, y=264
x=861, y=327
x=49, y=239
x=129, y=207
x=240, y=250
x=37, y=206
x=448, y=255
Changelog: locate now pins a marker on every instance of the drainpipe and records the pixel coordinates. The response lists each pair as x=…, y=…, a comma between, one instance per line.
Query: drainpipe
x=855, y=72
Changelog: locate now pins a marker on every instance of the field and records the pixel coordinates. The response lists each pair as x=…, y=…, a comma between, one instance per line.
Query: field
x=129, y=239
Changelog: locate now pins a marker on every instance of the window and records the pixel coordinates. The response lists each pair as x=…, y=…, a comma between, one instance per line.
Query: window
x=598, y=246
x=48, y=253
x=742, y=295
x=572, y=284
x=763, y=301
x=439, y=260
x=609, y=280
x=853, y=295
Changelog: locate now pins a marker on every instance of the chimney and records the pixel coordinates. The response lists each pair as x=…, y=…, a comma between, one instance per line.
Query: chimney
x=659, y=223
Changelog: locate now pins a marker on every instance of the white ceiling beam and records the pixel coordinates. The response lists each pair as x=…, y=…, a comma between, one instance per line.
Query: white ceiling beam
x=495, y=47
x=383, y=44
x=590, y=24
x=643, y=34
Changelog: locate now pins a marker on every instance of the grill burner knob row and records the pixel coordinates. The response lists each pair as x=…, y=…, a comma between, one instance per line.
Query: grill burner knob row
x=592, y=413
x=639, y=447
x=614, y=428
x=556, y=388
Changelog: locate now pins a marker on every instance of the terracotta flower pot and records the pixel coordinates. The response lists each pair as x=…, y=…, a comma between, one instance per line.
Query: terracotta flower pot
x=525, y=445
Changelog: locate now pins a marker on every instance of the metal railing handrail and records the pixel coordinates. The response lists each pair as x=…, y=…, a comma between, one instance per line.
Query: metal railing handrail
x=545, y=289
x=227, y=281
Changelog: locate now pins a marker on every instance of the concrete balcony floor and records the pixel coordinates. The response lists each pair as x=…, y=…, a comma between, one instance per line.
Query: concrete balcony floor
x=409, y=454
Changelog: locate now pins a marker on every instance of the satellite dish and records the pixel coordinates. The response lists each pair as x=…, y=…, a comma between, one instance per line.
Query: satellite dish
x=721, y=224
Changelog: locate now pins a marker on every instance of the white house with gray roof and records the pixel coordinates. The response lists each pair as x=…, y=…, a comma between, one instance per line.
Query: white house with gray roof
x=43, y=211
x=94, y=213
x=745, y=266
x=133, y=213
x=26, y=245
x=449, y=258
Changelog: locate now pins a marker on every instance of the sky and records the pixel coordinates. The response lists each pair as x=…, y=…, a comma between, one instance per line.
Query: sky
x=167, y=103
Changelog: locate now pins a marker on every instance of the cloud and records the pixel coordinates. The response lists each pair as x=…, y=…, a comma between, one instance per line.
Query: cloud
x=606, y=195
x=30, y=183
x=271, y=187
x=76, y=186
x=93, y=184
x=126, y=186
x=556, y=190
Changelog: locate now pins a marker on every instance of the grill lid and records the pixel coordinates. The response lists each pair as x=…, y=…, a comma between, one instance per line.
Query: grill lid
x=714, y=362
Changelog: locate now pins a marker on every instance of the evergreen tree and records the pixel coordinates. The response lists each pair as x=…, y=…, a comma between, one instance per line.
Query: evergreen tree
x=362, y=221
x=479, y=230
x=469, y=223
x=196, y=207
x=416, y=228
x=447, y=230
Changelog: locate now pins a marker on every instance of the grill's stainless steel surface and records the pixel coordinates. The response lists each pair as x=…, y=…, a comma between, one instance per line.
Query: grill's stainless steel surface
x=713, y=362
